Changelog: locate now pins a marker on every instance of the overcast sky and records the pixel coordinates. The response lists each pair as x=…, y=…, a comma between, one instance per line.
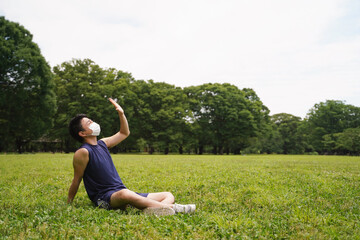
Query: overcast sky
x=293, y=53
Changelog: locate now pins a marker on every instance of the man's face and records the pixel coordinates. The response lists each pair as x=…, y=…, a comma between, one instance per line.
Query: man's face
x=85, y=123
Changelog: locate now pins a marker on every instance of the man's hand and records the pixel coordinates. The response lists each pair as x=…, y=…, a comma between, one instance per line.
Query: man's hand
x=117, y=106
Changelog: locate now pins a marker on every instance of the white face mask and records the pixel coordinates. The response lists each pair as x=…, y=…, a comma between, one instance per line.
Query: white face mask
x=95, y=129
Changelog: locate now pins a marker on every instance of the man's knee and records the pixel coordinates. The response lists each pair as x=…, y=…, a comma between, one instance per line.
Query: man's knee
x=170, y=196
x=120, y=199
x=165, y=197
x=123, y=194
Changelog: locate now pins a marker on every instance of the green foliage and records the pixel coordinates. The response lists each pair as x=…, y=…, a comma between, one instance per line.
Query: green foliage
x=27, y=100
x=237, y=197
x=349, y=140
x=346, y=142
x=155, y=111
x=329, y=117
x=159, y=115
x=269, y=140
x=83, y=87
x=224, y=116
x=288, y=127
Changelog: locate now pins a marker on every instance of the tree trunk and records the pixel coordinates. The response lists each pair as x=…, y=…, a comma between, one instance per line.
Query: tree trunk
x=214, y=151
x=151, y=150
x=221, y=150
x=181, y=150
x=19, y=145
x=67, y=146
x=201, y=150
x=237, y=151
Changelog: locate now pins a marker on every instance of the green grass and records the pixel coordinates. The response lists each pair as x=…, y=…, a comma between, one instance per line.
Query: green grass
x=238, y=197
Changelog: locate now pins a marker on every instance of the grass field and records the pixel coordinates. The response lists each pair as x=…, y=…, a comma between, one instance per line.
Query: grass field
x=238, y=197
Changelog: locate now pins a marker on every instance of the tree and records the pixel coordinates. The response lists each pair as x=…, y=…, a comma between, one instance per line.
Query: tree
x=83, y=87
x=226, y=117
x=346, y=142
x=287, y=125
x=349, y=140
x=329, y=117
x=263, y=128
x=330, y=143
x=27, y=99
x=268, y=140
x=159, y=114
x=155, y=111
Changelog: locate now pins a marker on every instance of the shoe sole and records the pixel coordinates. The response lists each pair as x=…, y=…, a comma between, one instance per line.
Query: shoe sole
x=159, y=211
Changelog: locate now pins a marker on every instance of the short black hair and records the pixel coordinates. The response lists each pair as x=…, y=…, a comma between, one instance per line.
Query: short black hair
x=75, y=127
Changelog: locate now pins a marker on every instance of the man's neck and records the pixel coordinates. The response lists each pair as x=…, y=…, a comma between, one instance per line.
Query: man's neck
x=92, y=140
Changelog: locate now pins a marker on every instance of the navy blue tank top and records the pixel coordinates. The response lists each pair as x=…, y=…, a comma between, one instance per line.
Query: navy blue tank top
x=100, y=175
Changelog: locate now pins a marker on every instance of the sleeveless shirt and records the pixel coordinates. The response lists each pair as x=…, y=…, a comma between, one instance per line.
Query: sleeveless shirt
x=100, y=176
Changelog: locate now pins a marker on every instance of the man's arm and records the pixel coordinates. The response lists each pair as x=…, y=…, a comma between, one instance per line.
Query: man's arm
x=81, y=159
x=124, y=128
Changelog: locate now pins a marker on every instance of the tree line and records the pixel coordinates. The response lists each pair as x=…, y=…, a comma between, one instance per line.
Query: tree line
x=37, y=102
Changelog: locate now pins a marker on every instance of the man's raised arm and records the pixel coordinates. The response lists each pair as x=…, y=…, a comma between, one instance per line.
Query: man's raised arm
x=124, y=128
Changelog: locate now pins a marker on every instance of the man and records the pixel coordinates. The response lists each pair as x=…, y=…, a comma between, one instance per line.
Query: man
x=93, y=163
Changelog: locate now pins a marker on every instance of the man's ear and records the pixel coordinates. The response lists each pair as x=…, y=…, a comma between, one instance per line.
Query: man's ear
x=82, y=134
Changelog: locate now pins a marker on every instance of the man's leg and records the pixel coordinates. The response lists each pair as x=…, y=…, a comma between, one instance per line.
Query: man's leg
x=155, y=203
x=163, y=197
x=123, y=197
x=167, y=197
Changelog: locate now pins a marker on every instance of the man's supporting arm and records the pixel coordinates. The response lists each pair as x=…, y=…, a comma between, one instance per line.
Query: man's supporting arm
x=124, y=128
x=81, y=159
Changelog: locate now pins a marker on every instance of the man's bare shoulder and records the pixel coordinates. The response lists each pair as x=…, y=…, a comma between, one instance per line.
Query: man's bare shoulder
x=81, y=156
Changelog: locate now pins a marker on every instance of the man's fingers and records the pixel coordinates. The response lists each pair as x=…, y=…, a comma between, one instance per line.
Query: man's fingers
x=117, y=106
x=112, y=101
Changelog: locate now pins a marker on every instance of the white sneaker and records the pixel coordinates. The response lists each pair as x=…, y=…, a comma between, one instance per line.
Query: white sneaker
x=162, y=211
x=188, y=208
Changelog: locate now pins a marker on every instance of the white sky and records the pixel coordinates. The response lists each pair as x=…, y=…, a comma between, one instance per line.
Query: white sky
x=293, y=53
